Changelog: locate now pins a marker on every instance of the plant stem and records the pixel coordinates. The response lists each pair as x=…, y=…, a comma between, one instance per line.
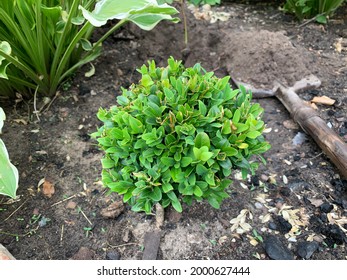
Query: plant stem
x=184, y=23
x=108, y=33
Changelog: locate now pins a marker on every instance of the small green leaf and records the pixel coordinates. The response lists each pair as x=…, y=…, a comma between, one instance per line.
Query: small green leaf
x=202, y=139
x=321, y=19
x=86, y=45
x=226, y=128
x=167, y=187
x=148, y=206
x=120, y=187
x=168, y=161
x=201, y=170
x=230, y=151
x=197, y=153
x=241, y=127
x=175, y=202
x=213, y=202
x=243, y=146
x=202, y=108
x=122, y=100
x=135, y=125
x=146, y=80
x=197, y=191
x=209, y=178
x=107, y=163
x=156, y=194
x=253, y=134
x=205, y=156
x=186, y=161
x=237, y=115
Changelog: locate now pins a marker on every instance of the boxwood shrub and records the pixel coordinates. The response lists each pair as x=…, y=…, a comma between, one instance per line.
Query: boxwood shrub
x=177, y=135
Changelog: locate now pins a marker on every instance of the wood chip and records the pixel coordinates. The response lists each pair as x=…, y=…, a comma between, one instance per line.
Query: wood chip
x=151, y=243
x=325, y=100
x=48, y=189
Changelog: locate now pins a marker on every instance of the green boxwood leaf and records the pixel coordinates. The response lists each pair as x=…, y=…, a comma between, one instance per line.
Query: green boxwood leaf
x=168, y=161
x=201, y=140
x=202, y=108
x=156, y=194
x=237, y=116
x=107, y=163
x=209, y=178
x=135, y=125
x=213, y=202
x=197, y=191
x=174, y=201
x=201, y=170
x=167, y=187
x=120, y=187
x=186, y=161
x=253, y=134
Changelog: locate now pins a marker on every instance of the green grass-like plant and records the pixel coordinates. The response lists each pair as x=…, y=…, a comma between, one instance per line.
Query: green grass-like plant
x=43, y=42
x=176, y=136
x=318, y=9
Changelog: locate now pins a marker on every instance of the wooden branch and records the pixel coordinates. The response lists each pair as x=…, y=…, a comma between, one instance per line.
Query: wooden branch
x=310, y=121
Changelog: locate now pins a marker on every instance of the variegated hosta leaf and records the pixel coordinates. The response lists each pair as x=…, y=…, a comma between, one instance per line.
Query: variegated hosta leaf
x=8, y=173
x=144, y=13
x=2, y=118
x=5, y=48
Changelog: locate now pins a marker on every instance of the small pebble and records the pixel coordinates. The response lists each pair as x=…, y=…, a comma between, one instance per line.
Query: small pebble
x=326, y=207
x=112, y=255
x=272, y=226
x=258, y=205
x=71, y=205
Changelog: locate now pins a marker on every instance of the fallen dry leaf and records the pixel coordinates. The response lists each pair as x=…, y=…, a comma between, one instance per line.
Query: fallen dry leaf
x=222, y=240
x=48, y=189
x=290, y=124
x=239, y=223
x=113, y=210
x=310, y=238
x=325, y=100
x=316, y=202
x=252, y=240
x=338, y=45
x=265, y=219
x=22, y=121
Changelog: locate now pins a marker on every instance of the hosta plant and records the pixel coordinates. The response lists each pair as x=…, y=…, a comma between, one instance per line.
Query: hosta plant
x=43, y=42
x=318, y=9
x=176, y=136
x=8, y=172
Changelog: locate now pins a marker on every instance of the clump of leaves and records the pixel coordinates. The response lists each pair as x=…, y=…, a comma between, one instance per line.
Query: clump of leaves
x=317, y=9
x=176, y=136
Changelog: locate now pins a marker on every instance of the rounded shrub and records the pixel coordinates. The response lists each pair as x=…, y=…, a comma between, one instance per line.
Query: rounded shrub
x=176, y=136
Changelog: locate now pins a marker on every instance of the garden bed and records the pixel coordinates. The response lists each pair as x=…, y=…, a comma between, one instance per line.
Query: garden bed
x=257, y=44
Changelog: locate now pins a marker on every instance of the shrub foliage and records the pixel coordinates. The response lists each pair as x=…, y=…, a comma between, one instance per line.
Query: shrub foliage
x=176, y=136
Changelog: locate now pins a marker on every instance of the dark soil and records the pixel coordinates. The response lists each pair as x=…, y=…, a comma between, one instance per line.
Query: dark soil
x=298, y=196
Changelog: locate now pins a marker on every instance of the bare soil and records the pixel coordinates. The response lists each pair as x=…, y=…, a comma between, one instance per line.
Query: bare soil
x=258, y=44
